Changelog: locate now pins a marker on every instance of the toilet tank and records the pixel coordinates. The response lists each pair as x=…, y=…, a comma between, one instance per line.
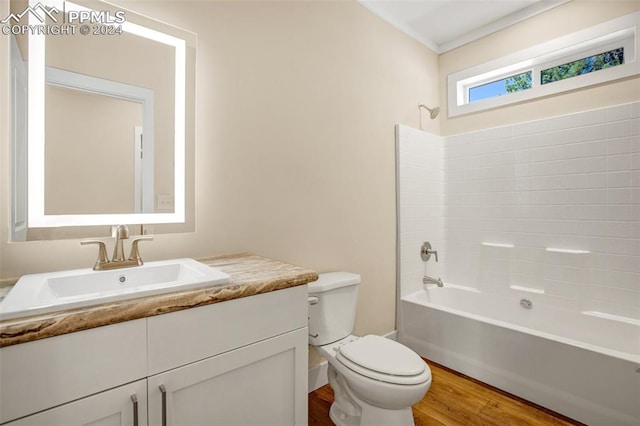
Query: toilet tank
x=333, y=314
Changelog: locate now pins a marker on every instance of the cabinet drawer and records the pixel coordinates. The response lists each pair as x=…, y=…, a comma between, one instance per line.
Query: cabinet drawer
x=186, y=336
x=49, y=372
x=114, y=407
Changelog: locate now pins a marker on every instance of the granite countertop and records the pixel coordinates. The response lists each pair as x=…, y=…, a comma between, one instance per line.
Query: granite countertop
x=250, y=275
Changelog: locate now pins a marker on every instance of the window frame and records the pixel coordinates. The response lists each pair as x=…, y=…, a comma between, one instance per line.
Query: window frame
x=620, y=32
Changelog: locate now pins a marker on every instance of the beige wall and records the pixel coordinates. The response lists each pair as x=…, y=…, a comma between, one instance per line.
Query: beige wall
x=296, y=107
x=89, y=171
x=565, y=19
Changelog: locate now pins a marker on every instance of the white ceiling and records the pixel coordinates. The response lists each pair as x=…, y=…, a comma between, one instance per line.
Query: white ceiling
x=443, y=25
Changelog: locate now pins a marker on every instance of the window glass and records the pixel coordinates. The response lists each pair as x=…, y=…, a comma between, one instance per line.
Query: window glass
x=514, y=83
x=582, y=66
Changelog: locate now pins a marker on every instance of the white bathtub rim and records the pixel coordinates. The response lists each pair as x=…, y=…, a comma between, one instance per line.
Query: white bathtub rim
x=560, y=401
x=412, y=298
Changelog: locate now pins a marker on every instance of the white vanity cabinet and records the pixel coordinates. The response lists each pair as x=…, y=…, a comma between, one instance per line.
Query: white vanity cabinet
x=239, y=362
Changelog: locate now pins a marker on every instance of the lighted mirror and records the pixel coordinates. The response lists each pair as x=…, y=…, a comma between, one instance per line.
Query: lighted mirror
x=109, y=106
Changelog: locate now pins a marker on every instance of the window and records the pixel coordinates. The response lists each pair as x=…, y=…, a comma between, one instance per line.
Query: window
x=596, y=55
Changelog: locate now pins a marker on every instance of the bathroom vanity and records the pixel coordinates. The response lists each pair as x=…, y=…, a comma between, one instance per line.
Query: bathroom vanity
x=235, y=354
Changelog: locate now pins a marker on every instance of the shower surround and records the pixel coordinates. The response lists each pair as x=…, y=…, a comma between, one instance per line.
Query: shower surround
x=544, y=212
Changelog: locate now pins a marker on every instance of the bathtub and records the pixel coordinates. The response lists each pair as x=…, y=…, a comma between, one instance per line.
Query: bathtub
x=585, y=365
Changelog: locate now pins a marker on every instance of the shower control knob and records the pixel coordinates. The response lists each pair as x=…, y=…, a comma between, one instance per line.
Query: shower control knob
x=426, y=252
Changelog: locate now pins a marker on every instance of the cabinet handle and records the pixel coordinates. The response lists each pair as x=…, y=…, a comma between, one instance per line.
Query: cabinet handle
x=134, y=399
x=164, y=405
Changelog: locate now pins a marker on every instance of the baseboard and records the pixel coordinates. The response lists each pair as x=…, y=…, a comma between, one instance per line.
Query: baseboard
x=318, y=376
x=318, y=373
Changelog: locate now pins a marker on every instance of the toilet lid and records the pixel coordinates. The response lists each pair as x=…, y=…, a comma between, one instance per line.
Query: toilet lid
x=384, y=359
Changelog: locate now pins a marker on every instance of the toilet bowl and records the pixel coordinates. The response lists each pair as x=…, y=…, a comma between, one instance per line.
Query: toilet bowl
x=375, y=380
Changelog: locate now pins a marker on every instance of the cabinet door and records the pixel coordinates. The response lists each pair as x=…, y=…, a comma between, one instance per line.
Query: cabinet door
x=114, y=407
x=260, y=384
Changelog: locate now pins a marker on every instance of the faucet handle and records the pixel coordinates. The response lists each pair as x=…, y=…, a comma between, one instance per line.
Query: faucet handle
x=102, y=253
x=433, y=252
x=426, y=252
x=135, y=252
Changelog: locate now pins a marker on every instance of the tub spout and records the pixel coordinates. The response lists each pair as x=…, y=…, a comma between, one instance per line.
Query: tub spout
x=428, y=280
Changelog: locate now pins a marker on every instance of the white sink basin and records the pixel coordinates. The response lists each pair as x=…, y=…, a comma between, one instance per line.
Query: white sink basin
x=48, y=292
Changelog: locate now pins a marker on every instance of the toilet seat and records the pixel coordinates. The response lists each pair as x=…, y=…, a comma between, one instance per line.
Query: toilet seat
x=384, y=360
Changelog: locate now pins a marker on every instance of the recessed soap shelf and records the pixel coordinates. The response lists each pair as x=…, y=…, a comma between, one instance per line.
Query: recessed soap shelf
x=527, y=289
x=501, y=245
x=567, y=251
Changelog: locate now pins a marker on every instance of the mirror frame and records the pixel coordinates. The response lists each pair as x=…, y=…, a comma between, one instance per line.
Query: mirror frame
x=36, y=133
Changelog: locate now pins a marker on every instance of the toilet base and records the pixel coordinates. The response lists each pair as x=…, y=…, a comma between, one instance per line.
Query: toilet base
x=372, y=416
x=349, y=410
x=340, y=418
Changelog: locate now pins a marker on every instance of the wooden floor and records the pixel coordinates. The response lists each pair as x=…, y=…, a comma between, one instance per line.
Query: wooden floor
x=455, y=399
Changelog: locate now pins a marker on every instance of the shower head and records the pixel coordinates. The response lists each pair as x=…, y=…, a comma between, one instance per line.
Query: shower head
x=433, y=112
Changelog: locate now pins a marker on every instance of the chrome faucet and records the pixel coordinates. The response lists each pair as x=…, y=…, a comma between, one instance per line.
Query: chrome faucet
x=428, y=280
x=425, y=253
x=120, y=233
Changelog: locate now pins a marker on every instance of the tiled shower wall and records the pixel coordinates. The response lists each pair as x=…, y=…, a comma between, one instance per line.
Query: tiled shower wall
x=421, y=204
x=527, y=190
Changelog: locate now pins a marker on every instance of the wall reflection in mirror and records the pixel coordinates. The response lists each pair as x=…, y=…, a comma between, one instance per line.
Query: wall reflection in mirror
x=102, y=120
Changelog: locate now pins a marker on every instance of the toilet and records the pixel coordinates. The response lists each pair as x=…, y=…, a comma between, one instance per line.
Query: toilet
x=375, y=380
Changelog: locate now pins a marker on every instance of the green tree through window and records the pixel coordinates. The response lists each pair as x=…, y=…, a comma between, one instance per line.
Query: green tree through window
x=583, y=66
x=518, y=82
